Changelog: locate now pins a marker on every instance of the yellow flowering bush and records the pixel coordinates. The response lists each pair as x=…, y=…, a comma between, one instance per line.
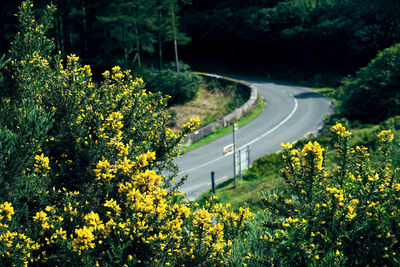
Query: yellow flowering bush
x=347, y=215
x=83, y=187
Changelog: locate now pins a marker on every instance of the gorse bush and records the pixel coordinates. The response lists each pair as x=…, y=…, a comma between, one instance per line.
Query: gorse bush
x=344, y=216
x=80, y=164
x=84, y=117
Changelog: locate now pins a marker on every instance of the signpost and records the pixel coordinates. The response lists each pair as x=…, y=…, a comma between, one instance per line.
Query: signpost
x=241, y=158
x=234, y=154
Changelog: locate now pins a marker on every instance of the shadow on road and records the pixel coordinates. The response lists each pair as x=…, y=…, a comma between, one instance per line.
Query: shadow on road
x=308, y=95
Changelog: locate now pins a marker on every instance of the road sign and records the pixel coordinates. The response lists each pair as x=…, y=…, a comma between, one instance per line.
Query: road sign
x=228, y=149
x=242, y=160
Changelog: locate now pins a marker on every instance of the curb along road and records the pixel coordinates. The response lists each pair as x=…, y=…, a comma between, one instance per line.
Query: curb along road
x=291, y=113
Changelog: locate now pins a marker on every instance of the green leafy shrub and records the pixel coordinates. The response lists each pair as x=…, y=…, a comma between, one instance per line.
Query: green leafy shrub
x=180, y=86
x=392, y=123
x=372, y=95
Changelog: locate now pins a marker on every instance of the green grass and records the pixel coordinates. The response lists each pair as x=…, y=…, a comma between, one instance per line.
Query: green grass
x=219, y=132
x=248, y=190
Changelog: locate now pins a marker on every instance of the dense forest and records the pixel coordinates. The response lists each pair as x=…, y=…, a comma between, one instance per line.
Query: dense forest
x=315, y=35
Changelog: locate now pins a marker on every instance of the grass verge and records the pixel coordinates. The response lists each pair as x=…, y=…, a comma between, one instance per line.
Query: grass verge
x=219, y=132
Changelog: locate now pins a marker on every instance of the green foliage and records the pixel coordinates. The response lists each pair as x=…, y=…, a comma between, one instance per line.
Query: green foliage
x=264, y=166
x=3, y=63
x=130, y=26
x=22, y=132
x=181, y=87
x=372, y=94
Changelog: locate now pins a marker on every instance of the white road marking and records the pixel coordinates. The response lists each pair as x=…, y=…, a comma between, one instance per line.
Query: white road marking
x=276, y=127
x=252, y=141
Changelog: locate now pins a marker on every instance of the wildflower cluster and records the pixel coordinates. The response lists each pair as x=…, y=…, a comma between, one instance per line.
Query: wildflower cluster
x=347, y=215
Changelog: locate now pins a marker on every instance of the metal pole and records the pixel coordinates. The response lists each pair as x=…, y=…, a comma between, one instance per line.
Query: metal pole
x=248, y=156
x=240, y=164
x=234, y=155
x=213, y=182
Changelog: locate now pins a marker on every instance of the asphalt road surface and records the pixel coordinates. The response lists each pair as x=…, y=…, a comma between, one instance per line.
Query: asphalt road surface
x=290, y=114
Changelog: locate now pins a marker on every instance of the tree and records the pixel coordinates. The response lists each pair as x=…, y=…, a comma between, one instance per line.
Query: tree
x=172, y=32
x=130, y=24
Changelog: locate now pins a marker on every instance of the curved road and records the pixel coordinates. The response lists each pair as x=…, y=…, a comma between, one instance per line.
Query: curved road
x=291, y=112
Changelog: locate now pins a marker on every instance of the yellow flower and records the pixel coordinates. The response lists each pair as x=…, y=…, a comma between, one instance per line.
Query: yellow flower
x=193, y=122
x=113, y=205
x=286, y=146
x=340, y=130
x=116, y=69
x=386, y=136
x=312, y=151
x=118, y=76
x=106, y=74
x=84, y=239
x=72, y=58
x=144, y=159
x=41, y=162
x=8, y=208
